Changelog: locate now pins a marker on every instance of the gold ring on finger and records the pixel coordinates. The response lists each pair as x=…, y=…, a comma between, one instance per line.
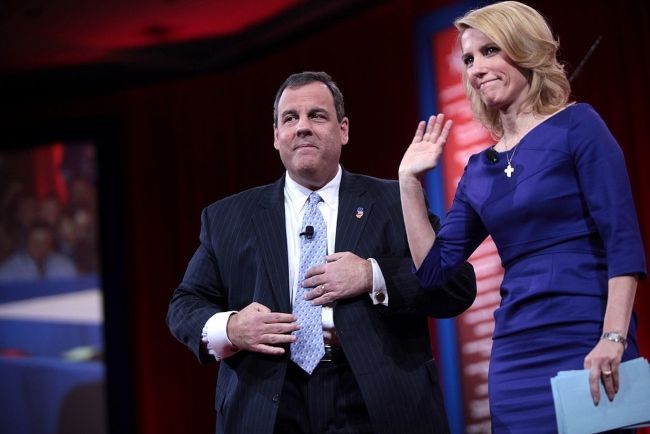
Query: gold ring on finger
x=607, y=373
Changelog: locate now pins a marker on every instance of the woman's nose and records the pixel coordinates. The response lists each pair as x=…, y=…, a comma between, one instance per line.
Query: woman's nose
x=478, y=68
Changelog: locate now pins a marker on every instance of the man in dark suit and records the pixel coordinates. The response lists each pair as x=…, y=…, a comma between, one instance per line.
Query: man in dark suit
x=235, y=301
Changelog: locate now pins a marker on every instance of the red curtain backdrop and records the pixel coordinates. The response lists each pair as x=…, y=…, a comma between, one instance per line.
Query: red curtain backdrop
x=196, y=141
x=189, y=142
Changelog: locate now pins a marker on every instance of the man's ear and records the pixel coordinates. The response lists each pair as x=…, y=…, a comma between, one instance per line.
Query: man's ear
x=275, y=137
x=345, y=130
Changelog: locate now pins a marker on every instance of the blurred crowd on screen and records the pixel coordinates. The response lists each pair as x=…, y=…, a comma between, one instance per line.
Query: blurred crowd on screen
x=48, y=212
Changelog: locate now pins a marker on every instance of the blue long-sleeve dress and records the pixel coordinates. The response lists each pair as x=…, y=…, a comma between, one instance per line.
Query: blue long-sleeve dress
x=563, y=223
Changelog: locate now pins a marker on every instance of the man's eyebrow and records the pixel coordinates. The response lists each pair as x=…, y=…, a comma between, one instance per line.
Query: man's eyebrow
x=318, y=110
x=288, y=111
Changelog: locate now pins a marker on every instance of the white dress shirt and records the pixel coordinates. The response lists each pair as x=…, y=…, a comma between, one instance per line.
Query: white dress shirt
x=295, y=199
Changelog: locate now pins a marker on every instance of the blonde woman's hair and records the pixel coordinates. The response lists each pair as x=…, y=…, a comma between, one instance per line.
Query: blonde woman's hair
x=526, y=38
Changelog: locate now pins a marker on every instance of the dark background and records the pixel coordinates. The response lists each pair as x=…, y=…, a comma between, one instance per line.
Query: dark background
x=183, y=123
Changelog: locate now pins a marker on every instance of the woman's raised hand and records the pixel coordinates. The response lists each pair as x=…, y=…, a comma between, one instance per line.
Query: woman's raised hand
x=425, y=149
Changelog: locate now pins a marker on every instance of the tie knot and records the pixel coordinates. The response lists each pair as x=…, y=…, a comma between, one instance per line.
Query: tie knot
x=314, y=198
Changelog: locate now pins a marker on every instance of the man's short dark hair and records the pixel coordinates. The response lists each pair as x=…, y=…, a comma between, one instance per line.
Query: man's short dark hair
x=303, y=78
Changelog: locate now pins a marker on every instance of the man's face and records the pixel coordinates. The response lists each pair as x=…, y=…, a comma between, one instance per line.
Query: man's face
x=308, y=135
x=40, y=244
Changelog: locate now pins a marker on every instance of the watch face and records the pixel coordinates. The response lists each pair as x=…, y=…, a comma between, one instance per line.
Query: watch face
x=615, y=337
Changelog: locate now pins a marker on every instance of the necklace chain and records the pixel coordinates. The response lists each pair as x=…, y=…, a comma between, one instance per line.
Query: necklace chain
x=510, y=157
x=509, y=169
x=525, y=128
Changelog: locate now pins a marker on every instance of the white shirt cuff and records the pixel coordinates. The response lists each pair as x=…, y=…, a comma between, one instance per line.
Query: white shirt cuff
x=215, y=335
x=379, y=294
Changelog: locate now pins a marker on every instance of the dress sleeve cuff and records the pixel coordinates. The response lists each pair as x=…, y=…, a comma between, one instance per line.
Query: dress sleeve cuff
x=430, y=273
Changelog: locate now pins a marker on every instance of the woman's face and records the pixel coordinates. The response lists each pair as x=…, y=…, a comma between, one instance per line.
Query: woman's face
x=499, y=82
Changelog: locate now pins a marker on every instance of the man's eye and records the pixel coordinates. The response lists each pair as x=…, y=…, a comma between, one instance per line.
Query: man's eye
x=288, y=118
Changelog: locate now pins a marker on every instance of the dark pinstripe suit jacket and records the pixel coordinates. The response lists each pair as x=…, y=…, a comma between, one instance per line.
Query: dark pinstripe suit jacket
x=242, y=258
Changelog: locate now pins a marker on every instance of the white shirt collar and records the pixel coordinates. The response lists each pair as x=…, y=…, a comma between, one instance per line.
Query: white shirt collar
x=297, y=194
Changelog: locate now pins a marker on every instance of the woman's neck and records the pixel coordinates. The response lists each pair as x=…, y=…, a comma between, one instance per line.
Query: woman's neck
x=515, y=126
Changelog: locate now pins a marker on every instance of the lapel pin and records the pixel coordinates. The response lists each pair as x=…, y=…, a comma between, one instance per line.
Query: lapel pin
x=359, y=212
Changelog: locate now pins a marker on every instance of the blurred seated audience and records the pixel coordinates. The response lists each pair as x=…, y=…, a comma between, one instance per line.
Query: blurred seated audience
x=38, y=259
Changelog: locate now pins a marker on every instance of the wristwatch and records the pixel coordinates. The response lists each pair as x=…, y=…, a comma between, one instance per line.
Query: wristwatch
x=615, y=337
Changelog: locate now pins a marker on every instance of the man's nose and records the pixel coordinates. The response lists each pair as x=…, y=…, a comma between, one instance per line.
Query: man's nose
x=303, y=127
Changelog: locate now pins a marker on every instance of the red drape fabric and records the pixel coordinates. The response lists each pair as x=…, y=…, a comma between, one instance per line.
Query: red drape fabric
x=193, y=141
x=48, y=179
x=189, y=142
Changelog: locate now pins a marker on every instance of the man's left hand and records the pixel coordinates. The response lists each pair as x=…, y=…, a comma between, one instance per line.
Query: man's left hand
x=344, y=275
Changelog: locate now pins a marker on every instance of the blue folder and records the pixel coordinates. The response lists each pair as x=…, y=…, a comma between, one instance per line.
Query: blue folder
x=577, y=414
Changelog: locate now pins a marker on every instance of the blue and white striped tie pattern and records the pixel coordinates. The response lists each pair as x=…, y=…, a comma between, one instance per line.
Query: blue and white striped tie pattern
x=308, y=348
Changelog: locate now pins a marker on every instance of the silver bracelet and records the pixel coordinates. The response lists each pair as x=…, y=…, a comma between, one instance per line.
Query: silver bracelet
x=615, y=337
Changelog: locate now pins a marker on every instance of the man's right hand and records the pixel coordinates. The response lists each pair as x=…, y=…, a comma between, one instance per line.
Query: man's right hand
x=256, y=328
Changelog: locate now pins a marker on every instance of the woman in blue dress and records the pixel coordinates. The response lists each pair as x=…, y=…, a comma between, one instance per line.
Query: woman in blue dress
x=554, y=194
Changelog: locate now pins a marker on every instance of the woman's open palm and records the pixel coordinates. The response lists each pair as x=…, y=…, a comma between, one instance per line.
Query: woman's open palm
x=425, y=149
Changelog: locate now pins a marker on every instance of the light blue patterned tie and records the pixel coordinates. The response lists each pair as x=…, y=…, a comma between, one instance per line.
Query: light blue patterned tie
x=308, y=349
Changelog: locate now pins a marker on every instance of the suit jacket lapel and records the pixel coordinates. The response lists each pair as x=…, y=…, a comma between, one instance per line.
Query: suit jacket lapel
x=270, y=227
x=355, y=207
